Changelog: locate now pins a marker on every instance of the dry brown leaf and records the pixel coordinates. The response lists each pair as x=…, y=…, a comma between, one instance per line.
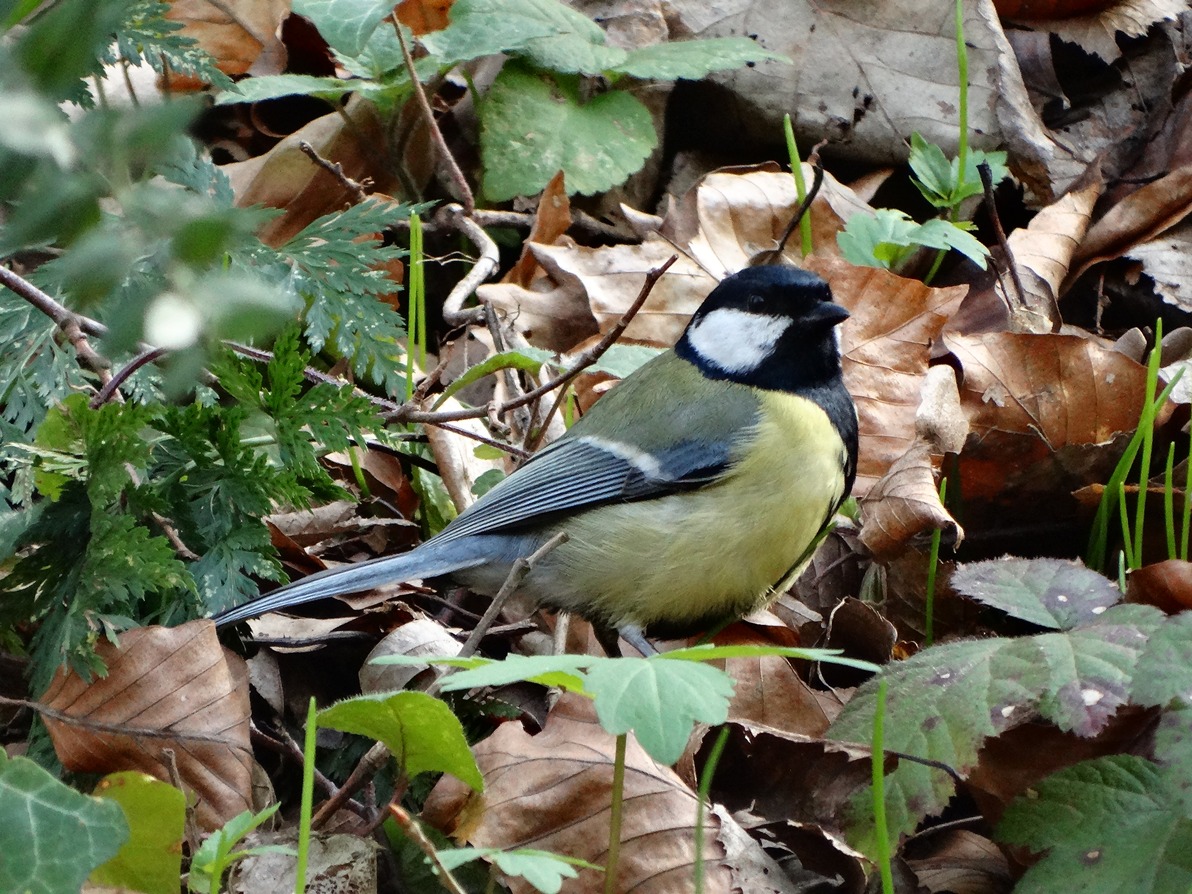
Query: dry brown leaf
x=552, y=791
x=339, y=863
x=904, y=507
x=1138, y=218
x=768, y=693
x=424, y=16
x=1167, y=585
x=167, y=688
x=286, y=178
x=886, y=351
x=242, y=38
x=1042, y=252
x=1044, y=411
x=1098, y=33
x=421, y=636
x=1167, y=260
x=957, y=861
x=864, y=75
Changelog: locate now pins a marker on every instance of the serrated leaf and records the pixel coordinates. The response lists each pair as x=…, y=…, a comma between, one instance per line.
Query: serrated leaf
x=52, y=837
x=542, y=869
x=534, y=125
x=716, y=653
x=420, y=731
x=151, y=860
x=692, y=59
x=880, y=239
x=660, y=700
x=1164, y=671
x=1108, y=824
x=943, y=234
x=1051, y=593
x=621, y=360
x=346, y=25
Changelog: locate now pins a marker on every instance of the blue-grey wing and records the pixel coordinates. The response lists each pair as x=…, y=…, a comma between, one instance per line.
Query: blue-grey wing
x=584, y=472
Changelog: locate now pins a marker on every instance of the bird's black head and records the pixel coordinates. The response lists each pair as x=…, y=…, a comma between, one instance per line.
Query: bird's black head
x=769, y=327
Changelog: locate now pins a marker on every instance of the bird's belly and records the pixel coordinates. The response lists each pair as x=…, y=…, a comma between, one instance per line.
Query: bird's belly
x=680, y=562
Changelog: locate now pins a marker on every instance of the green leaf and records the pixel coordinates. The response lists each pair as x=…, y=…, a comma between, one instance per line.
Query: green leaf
x=534, y=125
x=943, y=234
x=273, y=86
x=216, y=853
x=1051, y=593
x=549, y=670
x=542, y=869
x=945, y=701
x=660, y=700
x=692, y=59
x=530, y=361
x=346, y=25
x=716, y=653
x=419, y=730
x=881, y=239
x=151, y=860
x=620, y=360
x=52, y=837
x=550, y=33
x=934, y=173
x=1110, y=824
x=1164, y=671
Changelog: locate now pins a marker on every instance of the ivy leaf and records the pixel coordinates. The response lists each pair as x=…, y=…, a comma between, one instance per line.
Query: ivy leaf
x=1051, y=593
x=692, y=59
x=534, y=125
x=1110, y=824
x=346, y=25
x=52, y=836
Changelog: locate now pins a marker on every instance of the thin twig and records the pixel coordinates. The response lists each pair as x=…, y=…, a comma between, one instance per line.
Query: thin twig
x=121, y=376
x=516, y=452
x=448, y=160
x=75, y=327
x=522, y=566
x=1002, y=241
x=592, y=354
x=485, y=266
x=365, y=770
x=285, y=745
x=773, y=255
x=524, y=220
x=336, y=170
x=415, y=834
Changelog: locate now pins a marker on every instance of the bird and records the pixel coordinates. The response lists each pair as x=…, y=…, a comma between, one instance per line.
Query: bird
x=692, y=493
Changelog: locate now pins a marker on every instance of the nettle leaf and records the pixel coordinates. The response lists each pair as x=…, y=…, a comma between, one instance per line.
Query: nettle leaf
x=346, y=25
x=1051, y=593
x=1110, y=824
x=692, y=59
x=1173, y=751
x=945, y=701
x=660, y=700
x=52, y=836
x=418, y=729
x=535, y=124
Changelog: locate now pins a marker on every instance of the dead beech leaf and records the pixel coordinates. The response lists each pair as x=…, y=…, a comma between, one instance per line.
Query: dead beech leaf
x=424, y=16
x=286, y=178
x=1098, y=33
x=886, y=347
x=1167, y=260
x=768, y=693
x=957, y=861
x=552, y=791
x=167, y=688
x=904, y=506
x=1044, y=411
x=1140, y=217
x=1042, y=252
x=1166, y=585
x=242, y=38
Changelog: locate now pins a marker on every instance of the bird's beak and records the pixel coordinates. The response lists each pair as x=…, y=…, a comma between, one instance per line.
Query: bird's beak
x=828, y=314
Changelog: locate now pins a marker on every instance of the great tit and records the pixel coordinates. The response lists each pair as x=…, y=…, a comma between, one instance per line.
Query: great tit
x=691, y=493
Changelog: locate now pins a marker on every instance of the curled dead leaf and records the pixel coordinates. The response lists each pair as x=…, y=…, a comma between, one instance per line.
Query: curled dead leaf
x=904, y=507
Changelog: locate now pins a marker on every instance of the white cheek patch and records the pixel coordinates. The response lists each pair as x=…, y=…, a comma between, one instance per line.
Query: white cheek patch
x=736, y=341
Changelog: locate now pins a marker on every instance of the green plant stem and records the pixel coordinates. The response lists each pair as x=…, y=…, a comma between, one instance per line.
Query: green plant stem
x=1127, y=540
x=415, y=311
x=1147, y=425
x=614, y=818
x=792, y=151
x=877, y=759
x=701, y=805
x=1169, y=501
x=308, y=787
x=933, y=560
x=1187, y=520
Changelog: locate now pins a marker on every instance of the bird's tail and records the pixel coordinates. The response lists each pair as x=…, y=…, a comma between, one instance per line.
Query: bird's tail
x=427, y=561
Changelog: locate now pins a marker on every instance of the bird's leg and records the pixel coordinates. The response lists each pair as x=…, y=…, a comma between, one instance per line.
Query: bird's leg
x=633, y=635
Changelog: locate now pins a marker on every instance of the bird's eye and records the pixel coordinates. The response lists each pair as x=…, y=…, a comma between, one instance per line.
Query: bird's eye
x=756, y=303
